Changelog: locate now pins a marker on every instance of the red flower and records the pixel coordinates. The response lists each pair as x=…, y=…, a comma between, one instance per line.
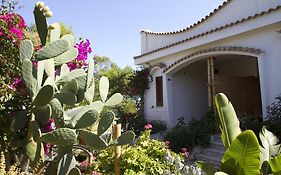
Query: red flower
x=148, y=126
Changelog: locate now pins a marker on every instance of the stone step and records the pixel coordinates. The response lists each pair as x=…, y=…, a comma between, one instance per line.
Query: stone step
x=216, y=138
x=209, y=159
x=217, y=145
x=213, y=152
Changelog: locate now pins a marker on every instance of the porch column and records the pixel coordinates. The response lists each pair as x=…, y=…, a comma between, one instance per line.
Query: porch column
x=211, y=84
x=263, y=84
x=169, y=99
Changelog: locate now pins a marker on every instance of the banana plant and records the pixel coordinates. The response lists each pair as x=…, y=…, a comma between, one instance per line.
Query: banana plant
x=229, y=123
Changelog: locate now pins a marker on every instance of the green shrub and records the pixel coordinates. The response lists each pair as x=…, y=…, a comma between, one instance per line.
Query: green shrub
x=253, y=123
x=157, y=126
x=145, y=157
x=197, y=132
x=273, y=120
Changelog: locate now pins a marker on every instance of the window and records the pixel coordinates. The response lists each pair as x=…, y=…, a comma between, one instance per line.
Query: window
x=159, y=91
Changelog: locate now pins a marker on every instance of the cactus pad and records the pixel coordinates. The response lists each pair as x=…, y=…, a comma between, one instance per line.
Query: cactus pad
x=87, y=119
x=70, y=86
x=57, y=112
x=105, y=122
x=103, y=88
x=69, y=38
x=44, y=96
x=66, y=163
x=66, y=57
x=34, y=152
x=41, y=25
x=92, y=140
x=26, y=49
x=55, y=32
x=43, y=114
x=74, y=171
x=60, y=137
x=115, y=99
x=28, y=76
x=90, y=92
x=126, y=138
x=52, y=50
x=69, y=76
x=66, y=97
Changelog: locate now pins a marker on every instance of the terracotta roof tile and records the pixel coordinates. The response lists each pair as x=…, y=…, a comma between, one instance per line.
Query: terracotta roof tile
x=214, y=49
x=191, y=26
x=212, y=30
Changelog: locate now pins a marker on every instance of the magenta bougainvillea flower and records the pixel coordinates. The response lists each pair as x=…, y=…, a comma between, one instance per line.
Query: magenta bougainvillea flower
x=12, y=26
x=148, y=126
x=18, y=83
x=84, y=49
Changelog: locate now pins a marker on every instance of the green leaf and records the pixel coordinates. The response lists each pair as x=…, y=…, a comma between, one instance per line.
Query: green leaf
x=44, y=96
x=103, y=88
x=41, y=25
x=66, y=163
x=115, y=99
x=60, y=136
x=105, y=122
x=87, y=119
x=26, y=50
x=207, y=168
x=92, y=140
x=43, y=114
x=270, y=145
x=275, y=164
x=66, y=57
x=55, y=32
x=126, y=138
x=229, y=122
x=52, y=50
x=243, y=156
x=66, y=97
x=265, y=168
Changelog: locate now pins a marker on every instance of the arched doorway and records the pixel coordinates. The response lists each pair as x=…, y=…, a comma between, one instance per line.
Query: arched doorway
x=236, y=75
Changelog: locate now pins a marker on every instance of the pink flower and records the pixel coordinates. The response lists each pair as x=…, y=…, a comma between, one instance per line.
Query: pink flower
x=47, y=148
x=148, y=126
x=185, y=152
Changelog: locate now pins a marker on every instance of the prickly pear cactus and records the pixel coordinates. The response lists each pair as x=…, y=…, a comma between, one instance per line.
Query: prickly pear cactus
x=52, y=94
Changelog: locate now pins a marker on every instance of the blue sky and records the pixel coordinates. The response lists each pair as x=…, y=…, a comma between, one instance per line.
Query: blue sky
x=113, y=26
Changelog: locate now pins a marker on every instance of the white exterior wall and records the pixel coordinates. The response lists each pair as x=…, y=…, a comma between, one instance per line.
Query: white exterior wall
x=259, y=33
x=235, y=10
x=151, y=111
x=190, y=91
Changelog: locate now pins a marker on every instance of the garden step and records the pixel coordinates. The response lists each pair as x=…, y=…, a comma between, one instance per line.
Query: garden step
x=213, y=152
x=217, y=145
x=208, y=159
x=216, y=138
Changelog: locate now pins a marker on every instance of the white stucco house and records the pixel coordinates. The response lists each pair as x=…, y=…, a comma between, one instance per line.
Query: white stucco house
x=236, y=49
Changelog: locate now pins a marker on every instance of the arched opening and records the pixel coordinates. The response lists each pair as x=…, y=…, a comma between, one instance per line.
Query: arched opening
x=235, y=75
